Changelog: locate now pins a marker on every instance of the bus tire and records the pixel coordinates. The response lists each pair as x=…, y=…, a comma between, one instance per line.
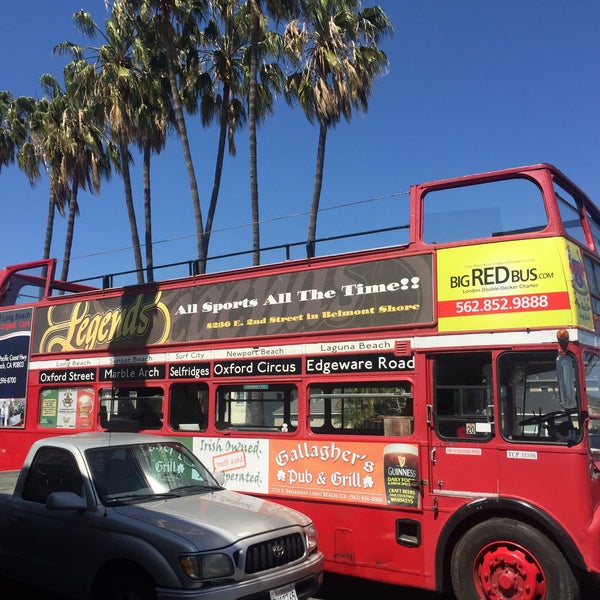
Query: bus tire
x=505, y=558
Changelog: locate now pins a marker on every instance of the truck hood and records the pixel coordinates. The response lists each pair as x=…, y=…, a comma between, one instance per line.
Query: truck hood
x=215, y=519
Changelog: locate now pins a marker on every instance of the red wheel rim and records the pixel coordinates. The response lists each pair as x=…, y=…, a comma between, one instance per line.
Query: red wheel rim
x=507, y=571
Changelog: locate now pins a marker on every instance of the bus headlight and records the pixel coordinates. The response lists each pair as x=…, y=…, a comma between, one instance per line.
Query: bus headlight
x=311, y=539
x=206, y=566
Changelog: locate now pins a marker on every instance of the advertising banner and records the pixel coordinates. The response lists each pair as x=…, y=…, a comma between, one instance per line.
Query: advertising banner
x=67, y=408
x=15, y=335
x=395, y=291
x=518, y=284
x=369, y=473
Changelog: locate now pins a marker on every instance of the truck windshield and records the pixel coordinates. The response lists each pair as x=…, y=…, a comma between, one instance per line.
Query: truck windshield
x=141, y=472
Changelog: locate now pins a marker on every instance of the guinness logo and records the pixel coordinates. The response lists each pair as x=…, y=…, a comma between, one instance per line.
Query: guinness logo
x=278, y=550
x=402, y=460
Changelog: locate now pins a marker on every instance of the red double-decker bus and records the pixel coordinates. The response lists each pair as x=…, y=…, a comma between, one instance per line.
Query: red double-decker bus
x=431, y=405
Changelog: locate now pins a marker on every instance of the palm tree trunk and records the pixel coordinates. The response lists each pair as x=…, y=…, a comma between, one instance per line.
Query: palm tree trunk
x=49, y=224
x=218, y=172
x=69, y=232
x=49, y=232
x=183, y=136
x=135, y=238
x=254, y=36
x=148, y=215
x=316, y=197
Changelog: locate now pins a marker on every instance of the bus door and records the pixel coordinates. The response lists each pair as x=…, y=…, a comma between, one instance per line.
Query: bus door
x=462, y=455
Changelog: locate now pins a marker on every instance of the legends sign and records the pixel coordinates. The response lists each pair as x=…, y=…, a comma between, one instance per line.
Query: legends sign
x=381, y=293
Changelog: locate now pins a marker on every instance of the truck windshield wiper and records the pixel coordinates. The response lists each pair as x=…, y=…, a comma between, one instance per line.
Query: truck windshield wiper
x=125, y=498
x=197, y=487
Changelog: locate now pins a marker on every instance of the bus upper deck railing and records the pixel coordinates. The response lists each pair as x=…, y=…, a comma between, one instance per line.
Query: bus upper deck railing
x=193, y=266
x=520, y=203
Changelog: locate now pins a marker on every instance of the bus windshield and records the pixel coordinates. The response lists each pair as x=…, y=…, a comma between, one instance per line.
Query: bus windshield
x=530, y=403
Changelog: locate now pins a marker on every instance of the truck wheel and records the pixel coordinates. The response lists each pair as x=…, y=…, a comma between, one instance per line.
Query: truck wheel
x=123, y=585
x=504, y=558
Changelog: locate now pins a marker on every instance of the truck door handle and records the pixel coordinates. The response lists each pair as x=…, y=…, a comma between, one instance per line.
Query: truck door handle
x=17, y=518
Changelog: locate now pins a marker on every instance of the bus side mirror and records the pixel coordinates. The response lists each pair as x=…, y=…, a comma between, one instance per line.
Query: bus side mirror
x=565, y=372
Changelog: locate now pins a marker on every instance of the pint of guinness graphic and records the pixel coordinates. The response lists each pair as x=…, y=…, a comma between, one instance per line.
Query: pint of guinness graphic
x=401, y=475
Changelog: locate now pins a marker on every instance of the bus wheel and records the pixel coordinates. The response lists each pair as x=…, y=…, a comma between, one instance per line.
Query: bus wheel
x=503, y=558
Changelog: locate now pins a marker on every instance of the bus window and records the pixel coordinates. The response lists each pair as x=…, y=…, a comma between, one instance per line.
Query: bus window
x=530, y=408
x=592, y=272
x=595, y=230
x=592, y=388
x=23, y=287
x=570, y=214
x=257, y=407
x=366, y=408
x=463, y=404
x=189, y=407
x=491, y=209
x=131, y=408
x=66, y=407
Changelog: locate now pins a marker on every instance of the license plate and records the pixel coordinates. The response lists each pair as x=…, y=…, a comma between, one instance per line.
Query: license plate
x=287, y=592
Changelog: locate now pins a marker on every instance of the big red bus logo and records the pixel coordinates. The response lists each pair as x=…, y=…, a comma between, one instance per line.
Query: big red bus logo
x=494, y=276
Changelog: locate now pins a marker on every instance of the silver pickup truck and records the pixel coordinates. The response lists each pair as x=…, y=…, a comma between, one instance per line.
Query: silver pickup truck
x=120, y=516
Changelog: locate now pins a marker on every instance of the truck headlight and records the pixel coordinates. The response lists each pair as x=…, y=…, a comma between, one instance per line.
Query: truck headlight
x=206, y=566
x=311, y=538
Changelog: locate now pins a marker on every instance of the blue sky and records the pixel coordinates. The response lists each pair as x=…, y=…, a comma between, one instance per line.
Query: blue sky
x=473, y=86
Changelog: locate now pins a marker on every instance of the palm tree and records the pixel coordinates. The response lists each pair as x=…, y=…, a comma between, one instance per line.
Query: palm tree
x=39, y=154
x=112, y=80
x=155, y=115
x=79, y=158
x=279, y=9
x=35, y=127
x=175, y=21
x=335, y=45
x=222, y=43
x=14, y=125
x=255, y=31
x=7, y=146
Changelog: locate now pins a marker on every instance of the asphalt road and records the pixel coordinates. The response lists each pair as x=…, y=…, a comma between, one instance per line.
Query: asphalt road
x=336, y=587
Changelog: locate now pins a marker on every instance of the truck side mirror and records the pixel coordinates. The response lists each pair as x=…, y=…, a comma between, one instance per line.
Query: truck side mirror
x=219, y=477
x=65, y=501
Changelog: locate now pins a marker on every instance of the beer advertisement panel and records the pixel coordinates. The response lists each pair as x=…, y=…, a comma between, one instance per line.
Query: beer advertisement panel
x=369, y=473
